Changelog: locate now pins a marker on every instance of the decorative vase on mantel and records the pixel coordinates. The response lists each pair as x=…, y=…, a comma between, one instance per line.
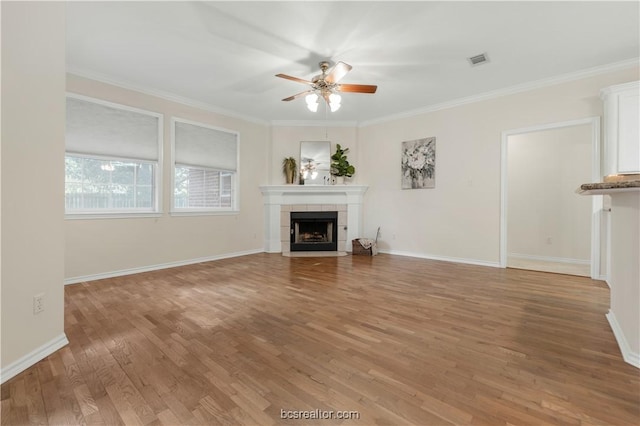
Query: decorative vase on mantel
x=289, y=169
x=339, y=180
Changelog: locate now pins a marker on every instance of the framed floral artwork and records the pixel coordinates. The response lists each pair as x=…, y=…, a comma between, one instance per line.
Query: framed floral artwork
x=419, y=163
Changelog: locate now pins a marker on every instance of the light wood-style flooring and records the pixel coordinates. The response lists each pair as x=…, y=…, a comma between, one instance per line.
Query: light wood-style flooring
x=549, y=266
x=390, y=340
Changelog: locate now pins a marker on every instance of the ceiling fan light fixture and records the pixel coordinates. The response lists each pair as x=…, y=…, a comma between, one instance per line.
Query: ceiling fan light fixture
x=335, y=102
x=312, y=102
x=326, y=85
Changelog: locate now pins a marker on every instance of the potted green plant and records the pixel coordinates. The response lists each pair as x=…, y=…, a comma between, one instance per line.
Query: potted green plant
x=289, y=168
x=340, y=167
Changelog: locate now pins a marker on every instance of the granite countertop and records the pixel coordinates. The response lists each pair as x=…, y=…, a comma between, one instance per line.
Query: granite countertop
x=608, y=187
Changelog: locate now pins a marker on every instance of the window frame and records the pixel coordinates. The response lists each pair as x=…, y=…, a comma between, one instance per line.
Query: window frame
x=121, y=211
x=157, y=166
x=235, y=175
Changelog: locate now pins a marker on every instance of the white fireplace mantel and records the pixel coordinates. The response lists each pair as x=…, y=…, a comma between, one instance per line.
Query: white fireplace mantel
x=275, y=196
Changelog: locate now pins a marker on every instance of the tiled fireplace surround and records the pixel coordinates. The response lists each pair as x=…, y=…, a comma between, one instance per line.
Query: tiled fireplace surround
x=285, y=222
x=281, y=200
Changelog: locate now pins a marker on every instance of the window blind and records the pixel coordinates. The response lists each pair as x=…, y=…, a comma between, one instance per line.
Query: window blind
x=198, y=146
x=97, y=129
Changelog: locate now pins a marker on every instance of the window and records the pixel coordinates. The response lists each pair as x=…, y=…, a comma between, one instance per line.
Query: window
x=94, y=184
x=202, y=188
x=205, y=168
x=112, y=157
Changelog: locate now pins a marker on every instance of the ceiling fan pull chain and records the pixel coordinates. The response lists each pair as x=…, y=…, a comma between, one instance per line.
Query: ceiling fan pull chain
x=326, y=123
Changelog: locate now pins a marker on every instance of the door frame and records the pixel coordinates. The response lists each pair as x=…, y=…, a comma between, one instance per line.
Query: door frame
x=596, y=202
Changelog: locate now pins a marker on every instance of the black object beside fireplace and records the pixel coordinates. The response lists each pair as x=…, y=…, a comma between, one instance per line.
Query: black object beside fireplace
x=314, y=231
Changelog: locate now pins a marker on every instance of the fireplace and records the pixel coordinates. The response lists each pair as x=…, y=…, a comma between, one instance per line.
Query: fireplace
x=281, y=200
x=314, y=231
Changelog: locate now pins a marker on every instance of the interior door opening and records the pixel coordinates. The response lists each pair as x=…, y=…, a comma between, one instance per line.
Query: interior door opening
x=545, y=224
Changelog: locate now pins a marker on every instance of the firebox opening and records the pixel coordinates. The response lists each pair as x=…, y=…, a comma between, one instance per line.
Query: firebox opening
x=314, y=231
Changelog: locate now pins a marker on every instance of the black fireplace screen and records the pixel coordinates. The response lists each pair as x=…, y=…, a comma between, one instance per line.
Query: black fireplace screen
x=314, y=231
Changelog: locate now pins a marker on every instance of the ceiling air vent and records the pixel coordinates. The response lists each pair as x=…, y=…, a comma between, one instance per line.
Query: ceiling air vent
x=478, y=59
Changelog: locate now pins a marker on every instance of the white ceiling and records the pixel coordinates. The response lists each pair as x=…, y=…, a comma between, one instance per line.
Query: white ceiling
x=226, y=54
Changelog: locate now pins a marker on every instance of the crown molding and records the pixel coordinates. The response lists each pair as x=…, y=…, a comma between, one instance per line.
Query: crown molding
x=537, y=84
x=313, y=123
x=162, y=94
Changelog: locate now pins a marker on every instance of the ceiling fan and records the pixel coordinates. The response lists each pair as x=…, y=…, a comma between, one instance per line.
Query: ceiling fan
x=326, y=85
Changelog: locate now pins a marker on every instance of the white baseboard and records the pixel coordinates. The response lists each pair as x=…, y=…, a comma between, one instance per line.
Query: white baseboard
x=112, y=274
x=33, y=357
x=549, y=259
x=442, y=258
x=628, y=355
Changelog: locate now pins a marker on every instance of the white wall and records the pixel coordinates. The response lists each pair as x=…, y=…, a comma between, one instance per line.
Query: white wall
x=624, y=315
x=33, y=117
x=286, y=143
x=546, y=218
x=102, y=246
x=460, y=218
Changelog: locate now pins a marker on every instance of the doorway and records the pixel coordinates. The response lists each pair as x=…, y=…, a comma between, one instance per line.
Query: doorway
x=545, y=224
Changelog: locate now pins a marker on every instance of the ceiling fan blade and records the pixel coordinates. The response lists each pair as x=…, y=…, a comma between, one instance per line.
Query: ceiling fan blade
x=357, y=88
x=338, y=71
x=299, y=80
x=290, y=98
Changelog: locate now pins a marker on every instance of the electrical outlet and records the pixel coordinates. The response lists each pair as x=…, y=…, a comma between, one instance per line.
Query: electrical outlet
x=38, y=303
x=549, y=240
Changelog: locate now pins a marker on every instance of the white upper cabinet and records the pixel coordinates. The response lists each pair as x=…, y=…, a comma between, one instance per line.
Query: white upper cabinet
x=622, y=128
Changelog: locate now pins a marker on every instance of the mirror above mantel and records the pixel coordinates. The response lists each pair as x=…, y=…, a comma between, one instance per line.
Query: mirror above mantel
x=315, y=162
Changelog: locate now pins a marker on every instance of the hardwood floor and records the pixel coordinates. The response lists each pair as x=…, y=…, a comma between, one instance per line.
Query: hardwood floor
x=549, y=266
x=388, y=339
